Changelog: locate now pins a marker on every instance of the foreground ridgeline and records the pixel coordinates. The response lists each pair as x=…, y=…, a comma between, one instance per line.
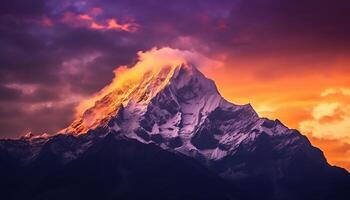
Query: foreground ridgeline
x=169, y=134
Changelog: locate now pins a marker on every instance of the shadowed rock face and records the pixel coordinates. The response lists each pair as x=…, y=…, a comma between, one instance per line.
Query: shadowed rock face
x=204, y=139
x=180, y=141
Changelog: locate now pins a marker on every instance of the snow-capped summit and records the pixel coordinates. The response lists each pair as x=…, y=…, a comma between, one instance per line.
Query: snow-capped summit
x=136, y=91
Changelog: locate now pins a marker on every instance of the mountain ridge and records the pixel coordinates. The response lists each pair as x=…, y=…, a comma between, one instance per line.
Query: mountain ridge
x=178, y=110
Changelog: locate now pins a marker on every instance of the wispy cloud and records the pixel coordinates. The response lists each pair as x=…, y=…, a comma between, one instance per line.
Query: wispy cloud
x=92, y=19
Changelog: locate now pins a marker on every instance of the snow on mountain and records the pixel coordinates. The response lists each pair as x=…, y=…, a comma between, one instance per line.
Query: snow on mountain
x=177, y=108
x=174, y=106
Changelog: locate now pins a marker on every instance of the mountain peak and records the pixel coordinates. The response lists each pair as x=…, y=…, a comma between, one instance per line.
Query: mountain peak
x=174, y=106
x=136, y=86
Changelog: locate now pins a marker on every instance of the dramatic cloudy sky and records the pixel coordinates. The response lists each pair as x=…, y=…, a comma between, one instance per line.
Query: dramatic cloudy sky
x=290, y=59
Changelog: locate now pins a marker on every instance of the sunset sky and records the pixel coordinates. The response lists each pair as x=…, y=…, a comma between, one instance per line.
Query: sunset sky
x=289, y=59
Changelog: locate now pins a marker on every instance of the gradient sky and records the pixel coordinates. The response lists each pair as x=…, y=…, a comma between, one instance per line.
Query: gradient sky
x=289, y=59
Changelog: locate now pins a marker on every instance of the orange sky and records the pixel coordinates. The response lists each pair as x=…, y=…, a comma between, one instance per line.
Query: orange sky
x=317, y=104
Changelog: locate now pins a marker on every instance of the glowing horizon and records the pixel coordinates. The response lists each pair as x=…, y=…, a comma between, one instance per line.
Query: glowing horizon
x=313, y=104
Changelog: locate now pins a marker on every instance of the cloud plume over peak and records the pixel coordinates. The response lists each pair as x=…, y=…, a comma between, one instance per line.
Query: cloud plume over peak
x=148, y=61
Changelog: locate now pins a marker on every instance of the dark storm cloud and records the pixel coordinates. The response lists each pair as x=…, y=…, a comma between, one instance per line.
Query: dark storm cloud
x=9, y=94
x=65, y=58
x=300, y=30
x=310, y=21
x=22, y=8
